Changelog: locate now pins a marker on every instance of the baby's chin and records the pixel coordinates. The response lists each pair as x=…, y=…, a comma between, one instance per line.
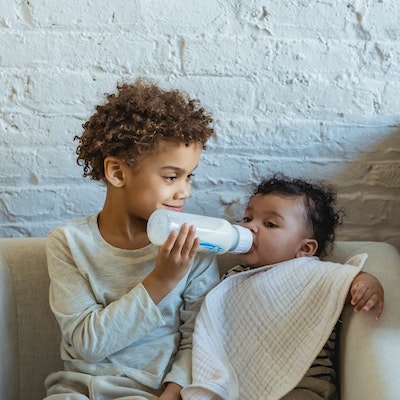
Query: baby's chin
x=242, y=258
x=250, y=260
x=247, y=260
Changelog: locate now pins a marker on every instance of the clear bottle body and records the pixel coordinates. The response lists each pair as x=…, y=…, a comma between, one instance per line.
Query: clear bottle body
x=216, y=234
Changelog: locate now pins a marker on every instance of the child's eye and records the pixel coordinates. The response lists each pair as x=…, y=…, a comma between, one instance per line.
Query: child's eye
x=246, y=219
x=270, y=224
x=170, y=178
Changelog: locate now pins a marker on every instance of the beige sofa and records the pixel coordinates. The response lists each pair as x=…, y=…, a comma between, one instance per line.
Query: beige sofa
x=369, y=349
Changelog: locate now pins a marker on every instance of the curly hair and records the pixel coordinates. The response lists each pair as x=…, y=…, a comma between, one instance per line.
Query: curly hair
x=319, y=202
x=132, y=123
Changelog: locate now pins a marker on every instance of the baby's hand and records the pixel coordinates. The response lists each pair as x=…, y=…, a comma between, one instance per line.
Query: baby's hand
x=366, y=294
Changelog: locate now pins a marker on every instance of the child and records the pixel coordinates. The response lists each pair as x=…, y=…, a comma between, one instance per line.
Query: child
x=126, y=309
x=289, y=310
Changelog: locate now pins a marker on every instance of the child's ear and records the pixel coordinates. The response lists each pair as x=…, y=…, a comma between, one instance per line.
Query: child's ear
x=114, y=171
x=308, y=248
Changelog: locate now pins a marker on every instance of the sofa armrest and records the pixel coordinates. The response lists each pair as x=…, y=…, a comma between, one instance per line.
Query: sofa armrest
x=30, y=334
x=9, y=368
x=369, y=349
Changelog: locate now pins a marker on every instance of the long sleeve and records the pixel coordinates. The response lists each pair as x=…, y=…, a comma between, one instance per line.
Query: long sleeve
x=95, y=330
x=109, y=323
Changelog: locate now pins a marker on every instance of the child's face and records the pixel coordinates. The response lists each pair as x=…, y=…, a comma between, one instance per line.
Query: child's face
x=279, y=225
x=161, y=180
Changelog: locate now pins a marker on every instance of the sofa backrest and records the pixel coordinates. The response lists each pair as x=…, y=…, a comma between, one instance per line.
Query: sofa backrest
x=24, y=302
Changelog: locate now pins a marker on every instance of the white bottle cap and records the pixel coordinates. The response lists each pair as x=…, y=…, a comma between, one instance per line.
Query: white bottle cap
x=245, y=240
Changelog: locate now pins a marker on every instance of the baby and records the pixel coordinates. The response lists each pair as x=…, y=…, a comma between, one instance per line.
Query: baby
x=293, y=223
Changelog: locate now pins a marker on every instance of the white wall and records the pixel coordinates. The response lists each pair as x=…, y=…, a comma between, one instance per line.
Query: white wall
x=309, y=88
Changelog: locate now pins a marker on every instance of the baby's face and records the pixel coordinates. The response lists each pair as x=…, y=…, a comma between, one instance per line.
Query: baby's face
x=279, y=228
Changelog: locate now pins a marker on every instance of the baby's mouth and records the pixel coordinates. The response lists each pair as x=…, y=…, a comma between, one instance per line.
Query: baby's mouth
x=251, y=250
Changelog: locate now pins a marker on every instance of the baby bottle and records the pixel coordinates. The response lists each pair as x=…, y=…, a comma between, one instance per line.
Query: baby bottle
x=216, y=235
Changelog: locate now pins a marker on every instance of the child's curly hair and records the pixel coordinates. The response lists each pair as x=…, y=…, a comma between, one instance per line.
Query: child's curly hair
x=132, y=123
x=319, y=202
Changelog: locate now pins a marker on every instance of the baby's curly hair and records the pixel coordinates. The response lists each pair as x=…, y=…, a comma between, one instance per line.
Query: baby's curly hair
x=132, y=123
x=319, y=202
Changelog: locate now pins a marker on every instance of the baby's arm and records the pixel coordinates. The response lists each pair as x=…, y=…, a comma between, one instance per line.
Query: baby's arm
x=366, y=293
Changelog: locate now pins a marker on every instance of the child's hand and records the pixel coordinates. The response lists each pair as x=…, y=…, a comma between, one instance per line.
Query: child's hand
x=366, y=294
x=177, y=253
x=173, y=260
x=171, y=392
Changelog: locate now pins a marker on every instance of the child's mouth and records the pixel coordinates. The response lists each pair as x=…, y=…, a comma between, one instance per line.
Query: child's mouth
x=174, y=208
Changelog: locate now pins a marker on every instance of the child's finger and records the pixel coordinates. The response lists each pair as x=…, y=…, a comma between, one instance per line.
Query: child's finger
x=183, y=236
x=170, y=242
x=185, y=240
x=181, y=243
x=195, y=247
x=191, y=245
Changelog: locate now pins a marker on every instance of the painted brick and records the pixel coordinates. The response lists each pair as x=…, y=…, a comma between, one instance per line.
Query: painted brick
x=331, y=20
x=309, y=89
x=49, y=129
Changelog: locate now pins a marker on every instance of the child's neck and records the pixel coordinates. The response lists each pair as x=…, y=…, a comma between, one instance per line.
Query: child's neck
x=121, y=232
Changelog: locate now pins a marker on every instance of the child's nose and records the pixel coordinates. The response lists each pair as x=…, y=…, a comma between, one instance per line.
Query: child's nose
x=183, y=191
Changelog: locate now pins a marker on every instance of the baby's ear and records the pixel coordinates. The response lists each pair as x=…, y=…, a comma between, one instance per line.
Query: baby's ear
x=308, y=248
x=113, y=171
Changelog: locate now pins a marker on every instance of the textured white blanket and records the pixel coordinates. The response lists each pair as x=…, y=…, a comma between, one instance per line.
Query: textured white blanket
x=258, y=332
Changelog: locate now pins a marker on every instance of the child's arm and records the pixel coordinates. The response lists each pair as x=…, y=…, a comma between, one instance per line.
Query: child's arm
x=366, y=293
x=174, y=259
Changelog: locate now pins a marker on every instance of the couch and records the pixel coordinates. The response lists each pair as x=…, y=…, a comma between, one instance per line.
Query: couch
x=369, y=350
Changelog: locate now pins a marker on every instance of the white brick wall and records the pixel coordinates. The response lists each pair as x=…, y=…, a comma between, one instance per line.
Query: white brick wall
x=308, y=88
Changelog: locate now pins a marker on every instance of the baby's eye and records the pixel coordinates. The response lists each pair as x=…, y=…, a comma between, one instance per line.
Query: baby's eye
x=246, y=219
x=170, y=178
x=270, y=224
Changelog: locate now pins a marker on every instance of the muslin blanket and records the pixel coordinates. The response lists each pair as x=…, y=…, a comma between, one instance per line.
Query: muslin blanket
x=259, y=331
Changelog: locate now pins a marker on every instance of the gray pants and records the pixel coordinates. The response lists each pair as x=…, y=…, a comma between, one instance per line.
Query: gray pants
x=310, y=388
x=67, y=385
